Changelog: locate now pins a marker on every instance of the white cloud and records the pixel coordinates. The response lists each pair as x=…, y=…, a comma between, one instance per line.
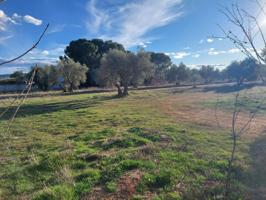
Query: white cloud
x=56, y=28
x=144, y=44
x=178, y=55
x=45, y=52
x=201, y=41
x=46, y=56
x=196, y=55
x=216, y=66
x=16, y=19
x=233, y=51
x=97, y=19
x=16, y=16
x=5, y=38
x=210, y=40
x=130, y=22
x=213, y=52
x=4, y=20
x=31, y=20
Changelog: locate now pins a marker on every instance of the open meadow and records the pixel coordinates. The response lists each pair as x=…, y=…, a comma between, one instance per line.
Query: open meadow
x=154, y=144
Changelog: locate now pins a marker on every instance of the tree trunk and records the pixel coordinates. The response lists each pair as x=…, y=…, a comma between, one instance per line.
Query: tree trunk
x=71, y=89
x=125, y=92
x=229, y=170
x=119, y=90
x=194, y=84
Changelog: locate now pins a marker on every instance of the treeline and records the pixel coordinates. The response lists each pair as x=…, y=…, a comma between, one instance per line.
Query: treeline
x=106, y=63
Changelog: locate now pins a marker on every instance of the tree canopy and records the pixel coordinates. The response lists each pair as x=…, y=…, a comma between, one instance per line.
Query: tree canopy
x=90, y=52
x=161, y=64
x=244, y=70
x=122, y=69
x=73, y=73
x=45, y=77
x=178, y=73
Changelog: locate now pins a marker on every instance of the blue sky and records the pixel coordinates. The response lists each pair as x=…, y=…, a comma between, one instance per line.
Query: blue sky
x=182, y=29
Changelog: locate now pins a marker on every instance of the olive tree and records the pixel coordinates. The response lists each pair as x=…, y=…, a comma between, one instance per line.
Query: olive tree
x=45, y=77
x=73, y=73
x=122, y=69
x=177, y=74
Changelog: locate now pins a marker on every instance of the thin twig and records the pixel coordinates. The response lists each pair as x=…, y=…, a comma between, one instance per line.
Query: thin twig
x=29, y=50
x=22, y=101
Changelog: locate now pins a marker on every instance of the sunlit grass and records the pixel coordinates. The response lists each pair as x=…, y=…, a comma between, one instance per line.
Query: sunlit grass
x=62, y=147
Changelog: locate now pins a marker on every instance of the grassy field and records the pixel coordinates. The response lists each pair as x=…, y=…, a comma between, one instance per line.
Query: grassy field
x=154, y=144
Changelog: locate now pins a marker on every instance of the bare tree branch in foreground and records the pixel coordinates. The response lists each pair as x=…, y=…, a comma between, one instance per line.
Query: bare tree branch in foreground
x=29, y=86
x=250, y=31
x=247, y=38
x=239, y=127
x=29, y=50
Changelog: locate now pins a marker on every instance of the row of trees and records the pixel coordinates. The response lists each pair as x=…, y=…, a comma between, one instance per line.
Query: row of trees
x=67, y=74
x=112, y=66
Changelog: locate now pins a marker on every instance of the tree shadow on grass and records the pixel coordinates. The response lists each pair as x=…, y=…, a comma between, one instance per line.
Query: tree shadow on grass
x=228, y=88
x=256, y=175
x=36, y=109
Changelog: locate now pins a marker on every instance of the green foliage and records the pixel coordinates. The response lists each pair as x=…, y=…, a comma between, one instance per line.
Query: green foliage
x=45, y=77
x=56, y=193
x=177, y=74
x=159, y=180
x=111, y=186
x=161, y=63
x=209, y=74
x=89, y=53
x=73, y=73
x=121, y=69
x=19, y=76
x=246, y=70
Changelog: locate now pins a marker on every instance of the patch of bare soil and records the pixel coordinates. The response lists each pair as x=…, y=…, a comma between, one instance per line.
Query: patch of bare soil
x=187, y=108
x=126, y=188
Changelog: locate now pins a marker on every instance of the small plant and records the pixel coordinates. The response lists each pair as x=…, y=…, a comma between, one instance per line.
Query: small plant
x=57, y=193
x=111, y=187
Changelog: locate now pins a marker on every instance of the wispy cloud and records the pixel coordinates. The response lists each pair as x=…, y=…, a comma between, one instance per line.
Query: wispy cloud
x=233, y=51
x=4, y=20
x=216, y=66
x=16, y=19
x=178, y=55
x=213, y=52
x=31, y=20
x=5, y=38
x=209, y=40
x=129, y=23
x=196, y=55
x=97, y=17
x=56, y=28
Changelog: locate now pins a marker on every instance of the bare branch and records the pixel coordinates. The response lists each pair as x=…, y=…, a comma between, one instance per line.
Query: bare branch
x=29, y=50
x=262, y=9
x=29, y=86
x=244, y=21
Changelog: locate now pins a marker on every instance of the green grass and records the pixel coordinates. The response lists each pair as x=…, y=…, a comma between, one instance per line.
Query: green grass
x=63, y=147
x=248, y=101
